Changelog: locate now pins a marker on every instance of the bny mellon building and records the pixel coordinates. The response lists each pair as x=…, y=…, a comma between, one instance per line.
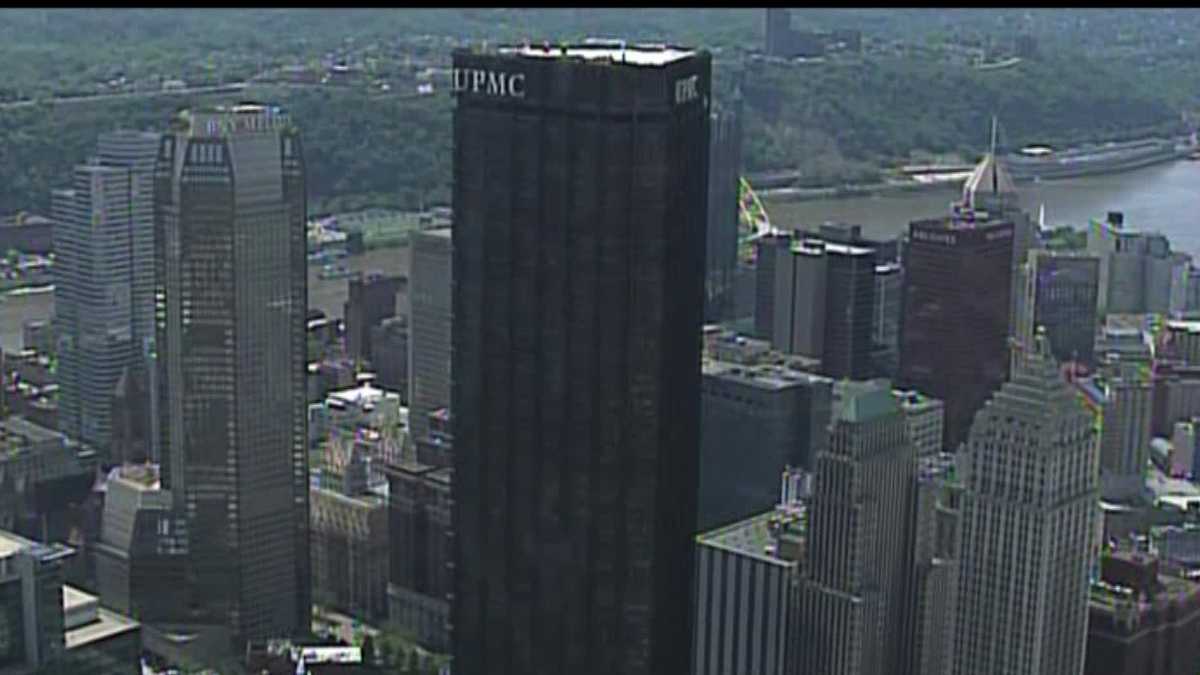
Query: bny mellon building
x=1030, y=480
x=580, y=193
x=231, y=295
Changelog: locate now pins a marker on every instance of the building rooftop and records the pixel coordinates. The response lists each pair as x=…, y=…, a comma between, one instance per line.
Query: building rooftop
x=439, y=232
x=863, y=400
x=1187, y=326
x=911, y=399
x=772, y=377
x=615, y=51
x=11, y=544
x=756, y=536
x=816, y=246
x=141, y=476
x=363, y=395
x=32, y=433
x=86, y=622
x=990, y=177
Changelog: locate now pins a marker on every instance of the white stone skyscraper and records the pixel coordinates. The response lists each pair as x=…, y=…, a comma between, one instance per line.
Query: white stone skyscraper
x=856, y=597
x=1030, y=479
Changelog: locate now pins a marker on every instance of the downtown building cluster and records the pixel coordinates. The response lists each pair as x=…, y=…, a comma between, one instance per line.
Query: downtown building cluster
x=564, y=469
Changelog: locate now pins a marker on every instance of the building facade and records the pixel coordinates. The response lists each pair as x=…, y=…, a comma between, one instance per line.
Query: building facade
x=389, y=355
x=1030, y=488
x=858, y=581
x=372, y=299
x=721, y=250
x=956, y=315
x=350, y=548
x=925, y=418
x=1141, y=622
x=1061, y=296
x=142, y=548
x=232, y=282
x=1120, y=397
x=420, y=581
x=48, y=627
x=580, y=174
x=747, y=590
x=824, y=305
x=42, y=474
x=756, y=421
x=93, y=300
x=104, y=278
x=1138, y=271
x=935, y=565
x=767, y=251
x=429, y=296
x=885, y=327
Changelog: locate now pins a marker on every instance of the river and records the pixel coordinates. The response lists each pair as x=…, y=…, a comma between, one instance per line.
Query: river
x=1165, y=198
x=324, y=294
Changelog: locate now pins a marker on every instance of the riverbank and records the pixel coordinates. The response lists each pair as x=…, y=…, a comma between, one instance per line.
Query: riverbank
x=895, y=186
x=930, y=178
x=1159, y=198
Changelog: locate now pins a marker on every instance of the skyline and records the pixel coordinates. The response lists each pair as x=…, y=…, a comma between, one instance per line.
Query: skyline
x=547, y=428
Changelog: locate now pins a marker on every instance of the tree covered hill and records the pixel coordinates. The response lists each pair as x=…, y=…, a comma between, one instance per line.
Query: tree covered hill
x=1099, y=76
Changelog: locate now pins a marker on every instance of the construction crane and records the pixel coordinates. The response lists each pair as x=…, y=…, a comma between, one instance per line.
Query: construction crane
x=753, y=220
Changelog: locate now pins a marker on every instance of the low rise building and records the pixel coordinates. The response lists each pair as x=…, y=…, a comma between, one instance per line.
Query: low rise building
x=362, y=415
x=747, y=597
x=755, y=421
x=349, y=538
x=42, y=475
x=1141, y=622
x=142, y=547
x=46, y=626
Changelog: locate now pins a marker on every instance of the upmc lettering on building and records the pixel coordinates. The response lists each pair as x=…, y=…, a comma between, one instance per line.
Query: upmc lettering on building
x=489, y=82
x=537, y=76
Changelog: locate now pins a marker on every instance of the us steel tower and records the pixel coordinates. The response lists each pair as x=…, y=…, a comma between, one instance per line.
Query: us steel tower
x=580, y=202
x=231, y=288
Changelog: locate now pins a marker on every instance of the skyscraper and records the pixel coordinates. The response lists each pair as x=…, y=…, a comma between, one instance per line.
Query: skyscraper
x=429, y=294
x=136, y=152
x=725, y=165
x=1061, y=295
x=231, y=286
x=954, y=339
x=823, y=305
x=580, y=194
x=104, y=303
x=1029, y=477
x=767, y=251
x=855, y=601
x=93, y=299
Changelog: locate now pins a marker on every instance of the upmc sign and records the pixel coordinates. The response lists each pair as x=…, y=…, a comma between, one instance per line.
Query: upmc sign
x=489, y=82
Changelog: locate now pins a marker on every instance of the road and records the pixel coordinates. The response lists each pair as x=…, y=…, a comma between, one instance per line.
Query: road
x=229, y=88
x=71, y=100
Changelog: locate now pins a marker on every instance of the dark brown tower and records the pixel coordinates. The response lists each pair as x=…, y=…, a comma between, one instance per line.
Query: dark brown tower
x=580, y=202
x=957, y=290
